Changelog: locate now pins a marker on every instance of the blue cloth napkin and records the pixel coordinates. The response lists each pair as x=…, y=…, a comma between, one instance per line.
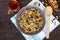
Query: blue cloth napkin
x=42, y=34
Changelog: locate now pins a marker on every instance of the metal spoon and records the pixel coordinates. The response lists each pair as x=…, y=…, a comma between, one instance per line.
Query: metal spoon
x=48, y=13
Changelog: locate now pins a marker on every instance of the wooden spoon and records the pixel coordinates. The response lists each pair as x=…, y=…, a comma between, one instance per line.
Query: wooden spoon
x=48, y=13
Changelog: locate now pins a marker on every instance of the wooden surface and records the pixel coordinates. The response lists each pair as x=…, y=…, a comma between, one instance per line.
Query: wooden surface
x=8, y=31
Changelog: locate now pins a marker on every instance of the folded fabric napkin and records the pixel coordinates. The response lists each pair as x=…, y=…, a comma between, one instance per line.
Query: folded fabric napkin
x=42, y=34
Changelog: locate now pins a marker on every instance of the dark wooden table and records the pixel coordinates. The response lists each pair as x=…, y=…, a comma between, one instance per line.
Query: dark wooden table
x=8, y=31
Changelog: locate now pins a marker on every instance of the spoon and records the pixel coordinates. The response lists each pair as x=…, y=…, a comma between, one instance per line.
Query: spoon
x=48, y=13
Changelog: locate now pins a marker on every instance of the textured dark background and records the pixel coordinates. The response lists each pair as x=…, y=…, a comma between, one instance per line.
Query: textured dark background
x=7, y=29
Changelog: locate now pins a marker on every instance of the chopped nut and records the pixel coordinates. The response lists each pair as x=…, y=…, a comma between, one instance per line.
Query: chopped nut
x=35, y=3
x=42, y=2
x=56, y=17
x=46, y=4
